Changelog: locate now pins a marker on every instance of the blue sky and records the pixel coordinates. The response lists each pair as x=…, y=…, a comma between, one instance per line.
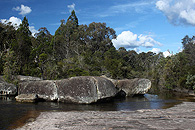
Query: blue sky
x=141, y=25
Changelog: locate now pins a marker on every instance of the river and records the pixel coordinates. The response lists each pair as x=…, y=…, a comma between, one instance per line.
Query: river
x=14, y=114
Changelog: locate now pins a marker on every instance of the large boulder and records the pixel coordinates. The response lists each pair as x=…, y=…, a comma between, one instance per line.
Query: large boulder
x=85, y=89
x=134, y=86
x=44, y=89
x=7, y=89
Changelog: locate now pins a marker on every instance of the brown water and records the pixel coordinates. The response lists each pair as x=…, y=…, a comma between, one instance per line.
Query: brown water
x=14, y=114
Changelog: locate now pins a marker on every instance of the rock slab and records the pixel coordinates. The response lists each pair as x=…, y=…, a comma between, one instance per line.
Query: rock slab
x=82, y=90
x=180, y=117
x=26, y=98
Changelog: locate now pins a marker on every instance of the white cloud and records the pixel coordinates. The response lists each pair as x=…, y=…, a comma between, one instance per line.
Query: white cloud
x=167, y=53
x=178, y=11
x=137, y=50
x=128, y=40
x=71, y=7
x=33, y=30
x=155, y=50
x=14, y=21
x=24, y=10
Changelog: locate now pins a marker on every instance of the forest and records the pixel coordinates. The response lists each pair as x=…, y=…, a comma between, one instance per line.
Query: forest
x=87, y=50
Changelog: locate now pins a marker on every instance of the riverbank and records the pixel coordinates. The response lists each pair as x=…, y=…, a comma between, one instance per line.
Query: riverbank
x=179, y=117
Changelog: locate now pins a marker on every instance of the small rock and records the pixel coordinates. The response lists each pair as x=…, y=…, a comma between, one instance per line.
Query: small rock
x=26, y=98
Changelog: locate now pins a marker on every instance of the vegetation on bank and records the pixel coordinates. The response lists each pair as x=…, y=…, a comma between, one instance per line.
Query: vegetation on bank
x=81, y=50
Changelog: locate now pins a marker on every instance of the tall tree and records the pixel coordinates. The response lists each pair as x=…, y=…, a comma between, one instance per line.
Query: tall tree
x=66, y=37
x=22, y=45
x=7, y=36
x=42, y=50
x=73, y=20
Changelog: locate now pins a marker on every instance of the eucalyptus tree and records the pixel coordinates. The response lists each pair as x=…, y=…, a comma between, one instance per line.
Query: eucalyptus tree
x=22, y=46
x=42, y=50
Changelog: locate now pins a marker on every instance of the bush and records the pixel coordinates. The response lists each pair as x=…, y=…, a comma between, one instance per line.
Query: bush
x=191, y=82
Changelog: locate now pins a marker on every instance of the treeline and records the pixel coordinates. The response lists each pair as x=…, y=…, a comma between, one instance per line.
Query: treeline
x=82, y=50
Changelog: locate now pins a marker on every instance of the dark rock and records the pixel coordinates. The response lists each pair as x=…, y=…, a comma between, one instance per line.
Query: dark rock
x=134, y=86
x=27, y=98
x=44, y=89
x=7, y=89
x=85, y=89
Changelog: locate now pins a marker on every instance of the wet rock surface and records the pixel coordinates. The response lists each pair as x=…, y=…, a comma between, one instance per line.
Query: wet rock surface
x=179, y=117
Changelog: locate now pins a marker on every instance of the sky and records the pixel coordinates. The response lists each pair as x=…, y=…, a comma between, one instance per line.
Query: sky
x=140, y=25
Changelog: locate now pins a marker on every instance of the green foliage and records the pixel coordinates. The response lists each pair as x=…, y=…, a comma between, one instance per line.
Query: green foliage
x=83, y=50
x=191, y=81
x=77, y=72
x=22, y=45
x=10, y=66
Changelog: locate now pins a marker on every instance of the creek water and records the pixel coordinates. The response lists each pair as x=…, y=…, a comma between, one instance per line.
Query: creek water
x=14, y=114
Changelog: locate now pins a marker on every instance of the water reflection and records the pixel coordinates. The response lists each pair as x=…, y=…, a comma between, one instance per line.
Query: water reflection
x=14, y=114
x=6, y=98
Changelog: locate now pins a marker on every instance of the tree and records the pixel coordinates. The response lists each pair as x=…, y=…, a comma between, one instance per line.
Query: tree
x=191, y=82
x=10, y=66
x=42, y=43
x=73, y=20
x=99, y=37
x=22, y=46
x=185, y=41
x=42, y=50
x=66, y=38
x=7, y=36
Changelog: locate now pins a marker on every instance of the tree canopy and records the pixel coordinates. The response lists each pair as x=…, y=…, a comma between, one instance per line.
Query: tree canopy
x=81, y=50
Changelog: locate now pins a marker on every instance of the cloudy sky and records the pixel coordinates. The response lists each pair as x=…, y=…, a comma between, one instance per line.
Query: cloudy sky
x=141, y=25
